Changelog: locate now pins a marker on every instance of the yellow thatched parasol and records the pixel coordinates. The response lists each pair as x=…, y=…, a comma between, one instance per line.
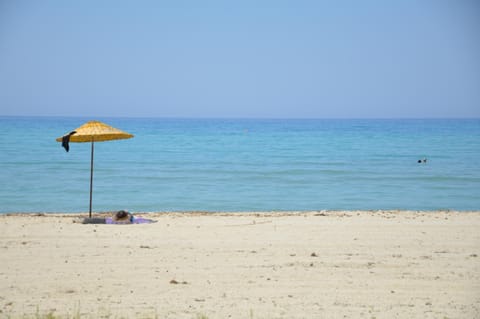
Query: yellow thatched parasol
x=93, y=131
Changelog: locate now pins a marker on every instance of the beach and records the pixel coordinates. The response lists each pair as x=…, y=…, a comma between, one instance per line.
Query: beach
x=319, y=264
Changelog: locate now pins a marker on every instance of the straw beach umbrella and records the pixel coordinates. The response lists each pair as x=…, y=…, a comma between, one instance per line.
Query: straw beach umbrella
x=91, y=132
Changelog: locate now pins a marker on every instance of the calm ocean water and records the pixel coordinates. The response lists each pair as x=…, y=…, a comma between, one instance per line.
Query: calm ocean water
x=242, y=165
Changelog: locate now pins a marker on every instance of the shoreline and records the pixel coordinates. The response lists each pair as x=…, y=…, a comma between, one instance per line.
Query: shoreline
x=358, y=264
x=253, y=212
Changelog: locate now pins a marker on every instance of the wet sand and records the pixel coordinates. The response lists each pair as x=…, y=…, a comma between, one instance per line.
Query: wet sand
x=343, y=264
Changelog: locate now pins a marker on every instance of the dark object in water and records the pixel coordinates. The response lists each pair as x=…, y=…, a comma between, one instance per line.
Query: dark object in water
x=66, y=140
x=424, y=161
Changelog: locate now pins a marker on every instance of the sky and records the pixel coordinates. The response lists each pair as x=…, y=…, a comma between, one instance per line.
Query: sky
x=240, y=59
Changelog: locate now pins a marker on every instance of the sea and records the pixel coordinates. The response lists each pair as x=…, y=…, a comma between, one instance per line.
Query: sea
x=236, y=165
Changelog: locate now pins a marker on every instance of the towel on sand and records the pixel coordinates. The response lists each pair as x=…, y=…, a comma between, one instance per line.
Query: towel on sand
x=109, y=220
x=136, y=220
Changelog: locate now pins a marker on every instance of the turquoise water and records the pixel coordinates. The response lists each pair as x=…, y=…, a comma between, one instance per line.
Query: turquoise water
x=242, y=165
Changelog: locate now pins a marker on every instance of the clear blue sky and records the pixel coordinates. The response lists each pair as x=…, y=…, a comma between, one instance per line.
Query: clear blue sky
x=264, y=59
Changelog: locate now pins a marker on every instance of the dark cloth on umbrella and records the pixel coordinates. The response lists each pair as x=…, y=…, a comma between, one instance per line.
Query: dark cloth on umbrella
x=66, y=140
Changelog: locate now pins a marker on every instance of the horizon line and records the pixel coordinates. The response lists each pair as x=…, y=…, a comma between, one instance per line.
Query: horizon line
x=236, y=118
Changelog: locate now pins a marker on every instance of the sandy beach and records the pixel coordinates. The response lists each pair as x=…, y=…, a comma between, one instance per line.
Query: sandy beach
x=342, y=264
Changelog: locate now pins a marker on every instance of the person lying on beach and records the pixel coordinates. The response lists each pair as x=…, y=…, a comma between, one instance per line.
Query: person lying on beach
x=122, y=217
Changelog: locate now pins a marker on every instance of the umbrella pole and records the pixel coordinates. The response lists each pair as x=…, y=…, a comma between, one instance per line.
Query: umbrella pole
x=91, y=181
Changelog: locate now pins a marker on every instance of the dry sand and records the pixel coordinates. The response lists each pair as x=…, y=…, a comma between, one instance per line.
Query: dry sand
x=244, y=265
